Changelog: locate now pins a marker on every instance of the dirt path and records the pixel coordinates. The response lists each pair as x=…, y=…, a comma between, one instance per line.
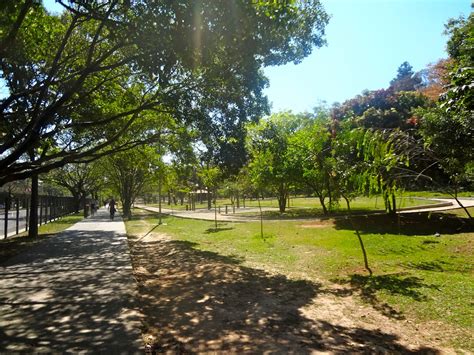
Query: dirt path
x=197, y=301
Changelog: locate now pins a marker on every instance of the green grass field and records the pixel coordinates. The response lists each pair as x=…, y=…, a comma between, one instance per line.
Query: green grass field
x=416, y=274
x=311, y=204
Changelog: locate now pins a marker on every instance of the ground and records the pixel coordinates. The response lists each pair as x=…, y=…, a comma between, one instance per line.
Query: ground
x=200, y=301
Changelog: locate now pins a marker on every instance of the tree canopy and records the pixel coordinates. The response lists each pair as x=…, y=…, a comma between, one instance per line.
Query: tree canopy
x=77, y=82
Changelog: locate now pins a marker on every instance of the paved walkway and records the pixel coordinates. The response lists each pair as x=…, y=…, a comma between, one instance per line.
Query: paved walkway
x=72, y=293
x=209, y=215
x=443, y=204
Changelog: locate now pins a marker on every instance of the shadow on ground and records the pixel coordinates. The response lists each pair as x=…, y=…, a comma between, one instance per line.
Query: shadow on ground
x=196, y=301
x=71, y=293
x=408, y=224
x=396, y=284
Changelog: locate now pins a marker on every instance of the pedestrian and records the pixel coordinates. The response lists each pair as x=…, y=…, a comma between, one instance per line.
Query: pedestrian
x=112, y=208
x=93, y=207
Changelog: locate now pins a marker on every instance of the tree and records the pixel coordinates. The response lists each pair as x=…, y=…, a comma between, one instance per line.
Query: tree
x=448, y=128
x=406, y=79
x=129, y=172
x=311, y=155
x=382, y=109
x=81, y=180
x=435, y=79
x=78, y=82
x=210, y=177
x=268, y=145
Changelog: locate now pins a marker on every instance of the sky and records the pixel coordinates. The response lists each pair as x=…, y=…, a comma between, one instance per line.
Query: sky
x=367, y=42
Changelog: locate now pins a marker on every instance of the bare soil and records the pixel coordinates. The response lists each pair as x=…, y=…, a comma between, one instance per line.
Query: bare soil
x=196, y=301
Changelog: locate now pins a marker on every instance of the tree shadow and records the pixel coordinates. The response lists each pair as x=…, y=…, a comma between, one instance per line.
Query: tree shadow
x=395, y=284
x=407, y=224
x=18, y=244
x=220, y=228
x=144, y=214
x=438, y=266
x=200, y=301
x=70, y=293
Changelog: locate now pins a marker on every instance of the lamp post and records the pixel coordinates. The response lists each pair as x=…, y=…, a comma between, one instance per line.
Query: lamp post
x=160, y=178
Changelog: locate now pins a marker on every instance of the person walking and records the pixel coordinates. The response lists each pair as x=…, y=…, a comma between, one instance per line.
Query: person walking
x=112, y=208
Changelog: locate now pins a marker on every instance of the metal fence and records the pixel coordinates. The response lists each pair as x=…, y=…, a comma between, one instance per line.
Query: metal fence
x=15, y=211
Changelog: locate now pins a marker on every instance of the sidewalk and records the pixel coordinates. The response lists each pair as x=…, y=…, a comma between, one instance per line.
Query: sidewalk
x=207, y=215
x=72, y=293
x=444, y=204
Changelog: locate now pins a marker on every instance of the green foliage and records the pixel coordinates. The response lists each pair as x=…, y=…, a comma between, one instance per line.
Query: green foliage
x=448, y=129
x=270, y=164
x=369, y=162
x=78, y=82
x=129, y=172
x=311, y=155
x=382, y=109
x=81, y=180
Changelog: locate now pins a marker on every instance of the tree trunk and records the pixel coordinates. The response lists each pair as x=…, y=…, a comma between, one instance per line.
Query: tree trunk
x=328, y=187
x=282, y=197
x=33, y=222
x=127, y=207
x=394, y=204
x=209, y=199
x=323, y=204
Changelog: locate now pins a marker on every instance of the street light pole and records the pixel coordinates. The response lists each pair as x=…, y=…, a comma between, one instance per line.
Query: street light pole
x=160, y=180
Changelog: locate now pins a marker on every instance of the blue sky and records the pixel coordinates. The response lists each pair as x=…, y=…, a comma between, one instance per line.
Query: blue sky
x=367, y=41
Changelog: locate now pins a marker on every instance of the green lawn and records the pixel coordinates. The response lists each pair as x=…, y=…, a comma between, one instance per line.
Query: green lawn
x=416, y=274
x=297, y=204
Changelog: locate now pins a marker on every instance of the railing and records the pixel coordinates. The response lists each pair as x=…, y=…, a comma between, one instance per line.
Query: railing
x=15, y=211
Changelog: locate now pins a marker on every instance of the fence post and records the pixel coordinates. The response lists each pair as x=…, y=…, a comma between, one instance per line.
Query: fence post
x=6, y=217
x=40, y=202
x=17, y=201
x=27, y=204
x=50, y=208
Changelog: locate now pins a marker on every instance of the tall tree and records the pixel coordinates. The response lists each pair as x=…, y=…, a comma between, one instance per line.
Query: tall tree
x=129, y=172
x=448, y=128
x=406, y=79
x=78, y=82
x=81, y=180
x=270, y=164
x=310, y=153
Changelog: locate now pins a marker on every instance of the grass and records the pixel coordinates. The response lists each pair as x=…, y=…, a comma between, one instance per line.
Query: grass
x=301, y=207
x=17, y=244
x=309, y=206
x=416, y=274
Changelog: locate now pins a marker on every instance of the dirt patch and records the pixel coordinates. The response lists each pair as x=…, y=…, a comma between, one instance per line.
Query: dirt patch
x=198, y=301
x=466, y=248
x=318, y=224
